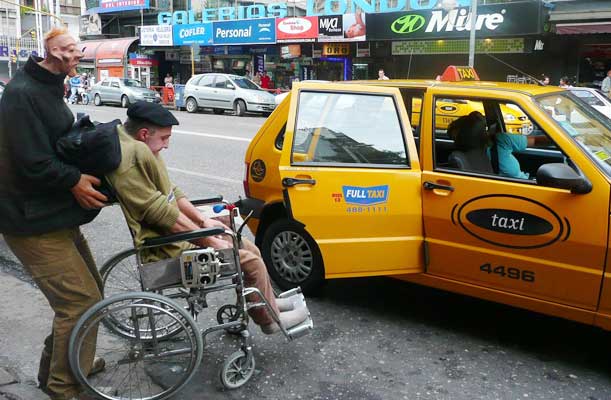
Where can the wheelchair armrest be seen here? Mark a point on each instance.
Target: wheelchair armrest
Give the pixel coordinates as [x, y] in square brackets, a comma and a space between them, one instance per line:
[182, 237]
[212, 200]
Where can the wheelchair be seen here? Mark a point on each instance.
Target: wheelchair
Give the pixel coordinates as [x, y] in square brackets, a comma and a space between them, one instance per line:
[146, 325]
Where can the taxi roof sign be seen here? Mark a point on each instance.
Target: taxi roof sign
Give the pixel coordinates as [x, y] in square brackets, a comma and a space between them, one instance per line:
[456, 73]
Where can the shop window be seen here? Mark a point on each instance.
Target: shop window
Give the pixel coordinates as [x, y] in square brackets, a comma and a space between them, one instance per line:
[346, 128]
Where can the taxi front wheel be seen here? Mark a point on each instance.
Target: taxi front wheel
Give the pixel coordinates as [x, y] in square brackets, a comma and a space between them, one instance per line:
[292, 257]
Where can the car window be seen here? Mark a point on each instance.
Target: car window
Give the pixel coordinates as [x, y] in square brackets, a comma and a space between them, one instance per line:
[194, 80]
[245, 83]
[206, 80]
[105, 83]
[131, 83]
[490, 137]
[348, 128]
[114, 84]
[588, 128]
[221, 82]
[588, 97]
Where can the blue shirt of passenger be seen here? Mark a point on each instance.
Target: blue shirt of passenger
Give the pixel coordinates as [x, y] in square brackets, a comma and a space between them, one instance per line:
[507, 144]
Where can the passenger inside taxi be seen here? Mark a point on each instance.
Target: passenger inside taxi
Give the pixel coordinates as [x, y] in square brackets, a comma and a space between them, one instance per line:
[471, 143]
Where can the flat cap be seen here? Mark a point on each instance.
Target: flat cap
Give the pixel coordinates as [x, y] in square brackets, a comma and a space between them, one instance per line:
[151, 112]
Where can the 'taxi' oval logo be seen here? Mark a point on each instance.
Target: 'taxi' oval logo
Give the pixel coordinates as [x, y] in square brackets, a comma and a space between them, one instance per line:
[408, 23]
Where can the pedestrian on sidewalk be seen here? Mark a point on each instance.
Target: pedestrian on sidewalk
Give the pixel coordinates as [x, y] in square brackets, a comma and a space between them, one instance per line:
[43, 201]
[606, 85]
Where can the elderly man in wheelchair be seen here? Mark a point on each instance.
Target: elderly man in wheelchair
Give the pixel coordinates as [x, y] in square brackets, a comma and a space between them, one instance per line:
[182, 256]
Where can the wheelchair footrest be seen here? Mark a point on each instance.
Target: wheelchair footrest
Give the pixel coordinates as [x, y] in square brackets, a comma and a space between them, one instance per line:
[304, 327]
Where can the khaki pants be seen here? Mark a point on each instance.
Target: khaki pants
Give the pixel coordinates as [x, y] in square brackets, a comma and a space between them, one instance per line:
[255, 275]
[62, 266]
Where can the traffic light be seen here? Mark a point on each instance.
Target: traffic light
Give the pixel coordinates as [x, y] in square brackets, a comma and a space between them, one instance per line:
[13, 58]
[33, 35]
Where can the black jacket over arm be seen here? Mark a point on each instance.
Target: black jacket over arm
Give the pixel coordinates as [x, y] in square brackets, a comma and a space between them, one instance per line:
[35, 184]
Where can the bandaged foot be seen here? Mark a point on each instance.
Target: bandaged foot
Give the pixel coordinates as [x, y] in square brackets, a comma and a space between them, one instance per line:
[288, 319]
[285, 304]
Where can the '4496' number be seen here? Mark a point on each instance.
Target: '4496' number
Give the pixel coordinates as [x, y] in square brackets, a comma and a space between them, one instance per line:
[508, 272]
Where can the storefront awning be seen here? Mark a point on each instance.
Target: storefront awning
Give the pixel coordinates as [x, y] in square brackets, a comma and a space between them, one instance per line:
[112, 52]
[583, 10]
[583, 28]
[89, 48]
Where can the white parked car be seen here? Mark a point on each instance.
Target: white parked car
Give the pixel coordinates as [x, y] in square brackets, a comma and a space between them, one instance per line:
[595, 98]
[222, 92]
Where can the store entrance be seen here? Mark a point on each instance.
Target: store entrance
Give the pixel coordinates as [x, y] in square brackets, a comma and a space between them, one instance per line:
[331, 69]
[595, 61]
[143, 74]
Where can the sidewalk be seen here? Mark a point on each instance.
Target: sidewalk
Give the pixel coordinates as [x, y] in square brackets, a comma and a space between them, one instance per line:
[26, 320]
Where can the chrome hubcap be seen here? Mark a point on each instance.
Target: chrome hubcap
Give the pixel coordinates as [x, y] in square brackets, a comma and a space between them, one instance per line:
[292, 257]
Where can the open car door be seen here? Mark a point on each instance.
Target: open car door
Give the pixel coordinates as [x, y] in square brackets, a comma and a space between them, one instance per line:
[351, 177]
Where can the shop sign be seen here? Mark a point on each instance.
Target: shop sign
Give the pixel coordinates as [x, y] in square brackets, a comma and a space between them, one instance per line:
[254, 31]
[156, 35]
[362, 50]
[342, 28]
[492, 20]
[5, 52]
[296, 29]
[90, 24]
[371, 6]
[316, 53]
[142, 62]
[110, 61]
[336, 49]
[290, 51]
[193, 33]
[223, 14]
[279, 9]
[108, 6]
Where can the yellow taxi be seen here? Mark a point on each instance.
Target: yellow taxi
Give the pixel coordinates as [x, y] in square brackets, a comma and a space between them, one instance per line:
[341, 183]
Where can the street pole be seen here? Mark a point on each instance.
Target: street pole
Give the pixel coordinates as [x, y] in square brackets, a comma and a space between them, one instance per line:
[472, 21]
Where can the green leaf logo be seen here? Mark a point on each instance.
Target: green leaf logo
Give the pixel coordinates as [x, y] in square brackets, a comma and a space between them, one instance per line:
[407, 24]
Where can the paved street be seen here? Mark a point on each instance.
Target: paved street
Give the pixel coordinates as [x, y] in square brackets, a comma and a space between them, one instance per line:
[374, 338]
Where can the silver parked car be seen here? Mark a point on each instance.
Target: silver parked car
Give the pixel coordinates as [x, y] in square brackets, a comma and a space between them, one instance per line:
[222, 92]
[122, 91]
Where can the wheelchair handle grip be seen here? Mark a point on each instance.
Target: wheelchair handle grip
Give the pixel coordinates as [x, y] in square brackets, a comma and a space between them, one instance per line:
[220, 207]
[200, 202]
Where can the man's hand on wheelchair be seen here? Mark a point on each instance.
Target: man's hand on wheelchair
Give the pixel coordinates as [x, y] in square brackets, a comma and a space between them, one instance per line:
[216, 242]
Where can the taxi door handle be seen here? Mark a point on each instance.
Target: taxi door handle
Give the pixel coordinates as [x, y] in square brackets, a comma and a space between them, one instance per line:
[432, 186]
[288, 182]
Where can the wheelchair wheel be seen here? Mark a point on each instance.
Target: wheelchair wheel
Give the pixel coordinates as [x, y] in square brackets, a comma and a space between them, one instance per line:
[136, 368]
[120, 275]
[237, 370]
[229, 313]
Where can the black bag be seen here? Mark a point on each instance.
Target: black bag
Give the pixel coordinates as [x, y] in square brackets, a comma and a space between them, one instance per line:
[93, 148]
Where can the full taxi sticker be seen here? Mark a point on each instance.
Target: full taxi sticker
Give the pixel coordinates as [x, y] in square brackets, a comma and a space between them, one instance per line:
[371, 199]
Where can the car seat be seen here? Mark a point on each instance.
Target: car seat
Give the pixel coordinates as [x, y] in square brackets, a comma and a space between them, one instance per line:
[471, 143]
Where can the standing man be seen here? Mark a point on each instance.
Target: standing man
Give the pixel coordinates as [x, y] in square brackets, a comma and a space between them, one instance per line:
[606, 85]
[43, 201]
[381, 75]
[265, 80]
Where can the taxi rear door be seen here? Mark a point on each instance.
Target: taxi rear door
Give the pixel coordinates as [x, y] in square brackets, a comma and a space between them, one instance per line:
[351, 176]
[512, 234]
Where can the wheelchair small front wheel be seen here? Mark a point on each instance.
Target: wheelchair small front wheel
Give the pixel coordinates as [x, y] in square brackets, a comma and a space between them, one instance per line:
[237, 369]
[137, 367]
[229, 313]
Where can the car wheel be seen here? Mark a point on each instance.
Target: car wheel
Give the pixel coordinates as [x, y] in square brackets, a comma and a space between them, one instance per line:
[240, 108]
[218, 111]
[124, 101]
[292, 257]
[97, 100]
[192, 105]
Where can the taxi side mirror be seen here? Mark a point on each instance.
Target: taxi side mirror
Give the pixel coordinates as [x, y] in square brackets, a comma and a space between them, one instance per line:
[561, 176]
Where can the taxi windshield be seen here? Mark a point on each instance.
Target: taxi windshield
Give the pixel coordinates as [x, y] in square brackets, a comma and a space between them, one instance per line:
[590, 129]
